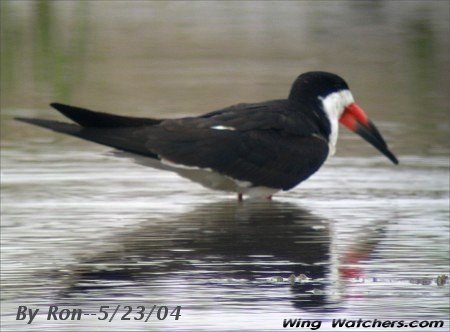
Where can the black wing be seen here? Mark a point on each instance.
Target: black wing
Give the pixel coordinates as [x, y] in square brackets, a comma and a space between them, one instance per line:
[88, 118]
[266, 144]
[262, 157]
[259, 143]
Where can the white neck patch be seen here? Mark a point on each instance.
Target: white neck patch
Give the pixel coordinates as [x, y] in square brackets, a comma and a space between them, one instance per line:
[334, 105]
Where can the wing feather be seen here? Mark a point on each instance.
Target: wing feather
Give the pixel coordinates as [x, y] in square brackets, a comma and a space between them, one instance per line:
[268, 144]
[268, 157]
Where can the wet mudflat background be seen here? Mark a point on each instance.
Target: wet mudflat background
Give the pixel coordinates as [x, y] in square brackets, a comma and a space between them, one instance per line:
[82, 229]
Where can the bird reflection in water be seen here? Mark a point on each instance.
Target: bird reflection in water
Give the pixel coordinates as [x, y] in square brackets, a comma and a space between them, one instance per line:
[260, 244]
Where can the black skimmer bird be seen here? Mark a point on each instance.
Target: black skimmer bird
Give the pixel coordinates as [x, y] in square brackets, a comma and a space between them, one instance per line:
[252, 149]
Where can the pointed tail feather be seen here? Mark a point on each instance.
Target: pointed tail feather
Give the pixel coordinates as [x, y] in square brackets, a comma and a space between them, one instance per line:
[118, 138]
[107, 129]
[60, 127]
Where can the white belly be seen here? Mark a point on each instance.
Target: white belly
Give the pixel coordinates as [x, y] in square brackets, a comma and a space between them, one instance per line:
[204, 176]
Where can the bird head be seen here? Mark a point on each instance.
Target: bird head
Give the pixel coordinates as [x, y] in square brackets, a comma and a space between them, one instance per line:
[329, 98]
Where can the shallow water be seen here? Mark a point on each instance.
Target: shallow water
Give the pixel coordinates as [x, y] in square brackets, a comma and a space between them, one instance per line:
[81, 228]
[369, 237]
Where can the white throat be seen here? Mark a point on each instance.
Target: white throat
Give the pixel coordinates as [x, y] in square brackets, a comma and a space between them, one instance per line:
[334, 105]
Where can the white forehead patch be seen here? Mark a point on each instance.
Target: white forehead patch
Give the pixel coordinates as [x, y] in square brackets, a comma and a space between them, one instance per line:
[334, 105]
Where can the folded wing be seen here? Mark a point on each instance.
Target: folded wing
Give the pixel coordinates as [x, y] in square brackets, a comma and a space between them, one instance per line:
[248, 142]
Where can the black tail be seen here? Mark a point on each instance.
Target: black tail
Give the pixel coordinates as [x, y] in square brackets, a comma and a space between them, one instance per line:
[120, 132]
[60, 127]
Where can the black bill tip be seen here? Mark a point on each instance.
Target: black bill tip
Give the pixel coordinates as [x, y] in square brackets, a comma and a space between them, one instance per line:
[371, 134]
